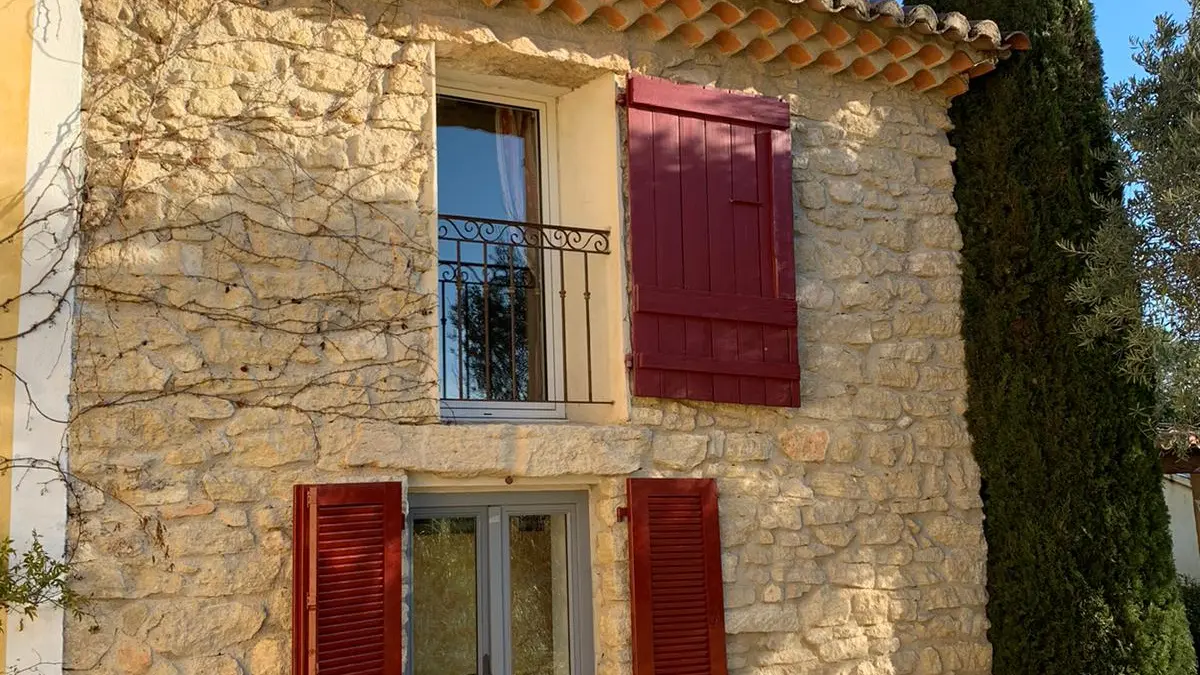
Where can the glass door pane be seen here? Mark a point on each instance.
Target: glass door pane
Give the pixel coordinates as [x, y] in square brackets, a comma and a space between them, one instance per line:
[445, 596]
[539, 594]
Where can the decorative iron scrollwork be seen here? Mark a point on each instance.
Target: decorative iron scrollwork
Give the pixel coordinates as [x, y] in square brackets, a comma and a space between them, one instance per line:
[515, 301]
[526, 235]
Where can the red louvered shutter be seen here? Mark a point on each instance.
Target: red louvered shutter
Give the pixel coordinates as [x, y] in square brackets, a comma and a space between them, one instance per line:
[714, 283]
[346, 591]
[675, 577]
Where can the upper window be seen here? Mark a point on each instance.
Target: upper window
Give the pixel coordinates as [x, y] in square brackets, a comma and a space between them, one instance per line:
[493, 286]
[530, 302]
[515, 288]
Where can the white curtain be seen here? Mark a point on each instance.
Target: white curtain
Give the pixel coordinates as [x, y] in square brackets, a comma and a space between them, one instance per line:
[510, 146]
[520, 188]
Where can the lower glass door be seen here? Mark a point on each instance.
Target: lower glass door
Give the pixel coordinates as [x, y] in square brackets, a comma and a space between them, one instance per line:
[446, 597]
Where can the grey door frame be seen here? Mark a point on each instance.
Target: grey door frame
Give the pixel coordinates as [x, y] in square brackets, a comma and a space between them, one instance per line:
[491, 510]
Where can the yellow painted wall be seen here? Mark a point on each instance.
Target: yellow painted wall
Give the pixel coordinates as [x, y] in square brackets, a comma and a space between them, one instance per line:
[15, 55]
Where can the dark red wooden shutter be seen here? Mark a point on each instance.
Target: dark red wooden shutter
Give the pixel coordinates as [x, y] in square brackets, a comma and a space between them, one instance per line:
[675, 577]
[714, 283]
[346, 593]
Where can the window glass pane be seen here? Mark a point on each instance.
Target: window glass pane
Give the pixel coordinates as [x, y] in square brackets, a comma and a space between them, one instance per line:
[491, 283]
[539, 594]
[445, 632]
[488, 160]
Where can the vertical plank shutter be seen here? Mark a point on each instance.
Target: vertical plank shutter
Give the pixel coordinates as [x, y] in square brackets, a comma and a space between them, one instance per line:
[346, 592]
[714, 284]
[678, 604]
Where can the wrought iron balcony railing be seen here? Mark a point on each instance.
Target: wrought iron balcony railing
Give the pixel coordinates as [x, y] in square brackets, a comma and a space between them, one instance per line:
[516, 310]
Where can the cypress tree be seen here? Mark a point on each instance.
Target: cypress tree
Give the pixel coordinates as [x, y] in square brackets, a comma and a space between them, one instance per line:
[1080, 574]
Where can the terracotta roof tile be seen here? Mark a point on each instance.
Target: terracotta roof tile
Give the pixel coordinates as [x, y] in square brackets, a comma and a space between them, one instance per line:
[878, 40]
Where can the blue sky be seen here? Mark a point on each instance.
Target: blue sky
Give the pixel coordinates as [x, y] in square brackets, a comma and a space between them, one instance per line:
[1119, 20]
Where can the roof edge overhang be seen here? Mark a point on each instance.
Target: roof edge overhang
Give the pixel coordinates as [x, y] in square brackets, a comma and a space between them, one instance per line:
[873, 40]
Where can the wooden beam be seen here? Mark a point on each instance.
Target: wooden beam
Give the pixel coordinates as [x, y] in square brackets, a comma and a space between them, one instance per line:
[1188, 465]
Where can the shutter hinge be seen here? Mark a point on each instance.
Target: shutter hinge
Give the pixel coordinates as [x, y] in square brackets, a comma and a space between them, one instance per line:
[621, 98]
[628, 361]
[622, 514]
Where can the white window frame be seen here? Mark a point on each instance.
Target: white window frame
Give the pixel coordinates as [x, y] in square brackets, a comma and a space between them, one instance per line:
[491, 511]
[543, 99]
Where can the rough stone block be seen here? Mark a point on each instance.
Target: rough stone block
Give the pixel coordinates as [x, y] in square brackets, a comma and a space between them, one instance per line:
[885, 528]
[830, 511]
[762, 619]
[185, 627]
[679, 451]
[753, 447]
[205, 535]
[268, 657]
[804, 443]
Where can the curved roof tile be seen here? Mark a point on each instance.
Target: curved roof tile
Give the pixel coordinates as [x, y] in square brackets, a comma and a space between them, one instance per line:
[878, 40]
[983, 35]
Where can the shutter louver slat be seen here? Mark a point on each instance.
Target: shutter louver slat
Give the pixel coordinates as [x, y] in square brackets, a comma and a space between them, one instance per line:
[346, 567]
[675, 577]
[713, 298]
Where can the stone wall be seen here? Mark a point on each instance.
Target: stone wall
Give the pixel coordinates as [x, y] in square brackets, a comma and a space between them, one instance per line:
[257, 311]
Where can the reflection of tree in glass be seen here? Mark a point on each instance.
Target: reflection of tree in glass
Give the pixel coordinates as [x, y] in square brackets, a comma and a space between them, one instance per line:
[532, 598]
[499, 325]
[444, 627]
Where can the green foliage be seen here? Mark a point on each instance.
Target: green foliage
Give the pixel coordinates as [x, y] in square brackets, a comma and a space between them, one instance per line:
[32, 580]
[1142, 287]
[1189, 589]
[1080, 575]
